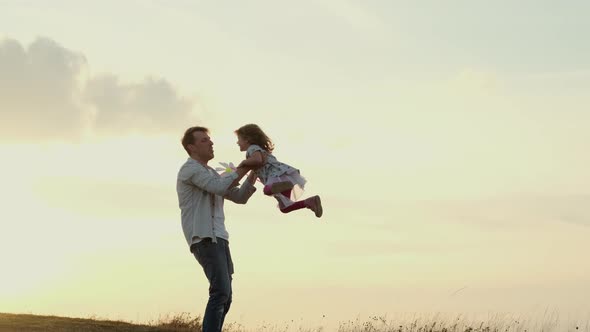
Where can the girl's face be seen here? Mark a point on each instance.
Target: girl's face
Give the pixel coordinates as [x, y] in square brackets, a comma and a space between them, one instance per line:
[242, 143]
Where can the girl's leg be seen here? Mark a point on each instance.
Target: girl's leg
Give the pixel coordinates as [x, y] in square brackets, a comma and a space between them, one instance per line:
[277, 187]
[313, 203]
[287, 193]
[295, 206]
[287, 208]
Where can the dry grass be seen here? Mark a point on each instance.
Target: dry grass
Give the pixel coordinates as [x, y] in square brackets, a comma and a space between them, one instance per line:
[440, 323]
[184, 322]
[35, 323]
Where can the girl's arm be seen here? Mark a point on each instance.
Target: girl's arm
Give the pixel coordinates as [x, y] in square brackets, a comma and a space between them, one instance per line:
[254, 161]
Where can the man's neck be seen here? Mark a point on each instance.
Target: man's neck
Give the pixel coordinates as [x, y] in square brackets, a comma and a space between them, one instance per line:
[204, 163]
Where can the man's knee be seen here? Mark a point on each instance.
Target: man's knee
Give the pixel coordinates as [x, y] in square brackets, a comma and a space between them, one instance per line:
[221, 295]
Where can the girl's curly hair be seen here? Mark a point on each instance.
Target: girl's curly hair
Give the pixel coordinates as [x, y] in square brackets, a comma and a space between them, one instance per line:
[254, 135]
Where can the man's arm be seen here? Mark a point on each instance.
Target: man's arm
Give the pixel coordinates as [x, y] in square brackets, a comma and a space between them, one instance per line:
[244, 192]
[200, 176]
[241, 171]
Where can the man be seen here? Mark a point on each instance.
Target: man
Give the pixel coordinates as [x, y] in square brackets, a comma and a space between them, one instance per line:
[201, 193]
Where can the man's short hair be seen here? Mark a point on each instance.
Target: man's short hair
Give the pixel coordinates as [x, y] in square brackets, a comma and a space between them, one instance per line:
[188, 137]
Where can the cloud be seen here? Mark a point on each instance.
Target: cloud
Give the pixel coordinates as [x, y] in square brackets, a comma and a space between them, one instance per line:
[39, 87]
[571, 209]
[47, 93]
[152, 105]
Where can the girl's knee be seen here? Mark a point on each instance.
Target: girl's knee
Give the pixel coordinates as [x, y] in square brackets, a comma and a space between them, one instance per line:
[267, 190]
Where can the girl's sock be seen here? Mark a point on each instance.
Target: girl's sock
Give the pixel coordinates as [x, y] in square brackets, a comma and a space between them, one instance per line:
[295, 206]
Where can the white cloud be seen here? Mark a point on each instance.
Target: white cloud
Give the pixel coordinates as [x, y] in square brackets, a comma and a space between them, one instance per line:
[152, 105]
[39, 90]
[46, 92]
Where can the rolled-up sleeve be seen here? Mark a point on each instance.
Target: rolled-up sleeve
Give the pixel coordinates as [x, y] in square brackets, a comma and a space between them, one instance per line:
[242, 194]
[200, 177]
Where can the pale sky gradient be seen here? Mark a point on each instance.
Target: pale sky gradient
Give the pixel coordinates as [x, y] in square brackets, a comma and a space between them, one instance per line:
[448, 140]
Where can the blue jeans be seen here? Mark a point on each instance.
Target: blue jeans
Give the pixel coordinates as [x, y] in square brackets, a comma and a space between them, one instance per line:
[215, 259]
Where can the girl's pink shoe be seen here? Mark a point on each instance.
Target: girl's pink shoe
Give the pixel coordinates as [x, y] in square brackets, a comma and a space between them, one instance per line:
[315, 204]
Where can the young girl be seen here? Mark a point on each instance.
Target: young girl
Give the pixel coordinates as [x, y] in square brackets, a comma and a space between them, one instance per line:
[280, 180]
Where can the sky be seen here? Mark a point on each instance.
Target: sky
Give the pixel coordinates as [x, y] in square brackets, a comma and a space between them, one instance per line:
[447, 139]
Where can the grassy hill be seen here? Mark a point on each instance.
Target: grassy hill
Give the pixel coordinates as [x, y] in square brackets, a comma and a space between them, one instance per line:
[35, 323]
[184, 323]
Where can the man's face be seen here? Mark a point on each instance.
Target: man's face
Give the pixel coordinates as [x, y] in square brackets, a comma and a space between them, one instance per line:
[202, 148]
